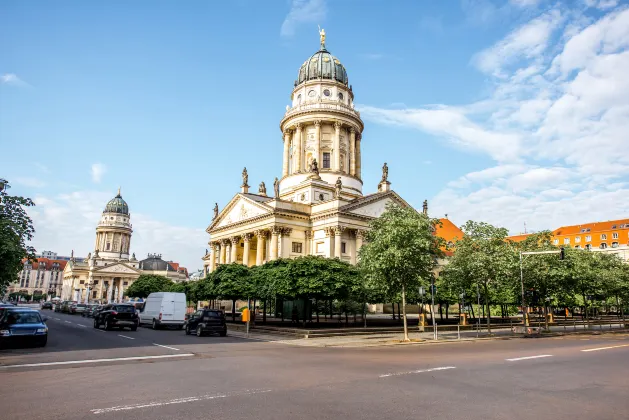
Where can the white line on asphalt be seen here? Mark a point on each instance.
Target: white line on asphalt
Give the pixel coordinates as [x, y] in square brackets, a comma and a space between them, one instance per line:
[67, 322]
[119, 359]
[607, 348]
[81, 325]
[166, 347]
[56, 319]
[386, 375]
[124, 336]
[176, 401]
[529, 357]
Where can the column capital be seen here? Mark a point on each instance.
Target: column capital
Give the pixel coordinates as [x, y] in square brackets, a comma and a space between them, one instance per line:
[339, 229]
[286, 230]
[317, 123]
[246, 236]
[225, 242]
[261, 233]
[360, 233]
[329, 231]
[287, 131]
[234, 240]
[338, 125]
[298, 127]
[276, 230]
[309, 234]
[352, 130]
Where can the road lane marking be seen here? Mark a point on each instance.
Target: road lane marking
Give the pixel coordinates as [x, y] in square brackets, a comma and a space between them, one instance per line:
[529, 357]
[607, 348]
[81, 362]
[56, 319]
[124, 336]
[386, 375]
[177, 401]
[67, 322]
[81, 325]
[166, 347]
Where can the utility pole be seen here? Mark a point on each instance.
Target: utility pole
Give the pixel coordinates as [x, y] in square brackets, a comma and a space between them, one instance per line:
[432, 307]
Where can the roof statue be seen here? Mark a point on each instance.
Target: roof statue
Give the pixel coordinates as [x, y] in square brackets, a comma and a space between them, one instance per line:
[119, 192]
[276, 187]
[338, 186]
[322, 37]
[385, 172]
[215, 210]
[262, 189]
[245, 178]
[425, 207]
[314, 167]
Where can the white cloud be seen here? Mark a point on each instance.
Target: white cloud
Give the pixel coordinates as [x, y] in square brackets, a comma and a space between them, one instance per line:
[68, 222]
[12, 80]
[301, 12]
[97, 171]
[601, 4]
[525, 3]
[555, 121]
[31, 182]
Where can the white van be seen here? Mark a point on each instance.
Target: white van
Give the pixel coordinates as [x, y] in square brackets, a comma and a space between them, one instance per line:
[164, 308]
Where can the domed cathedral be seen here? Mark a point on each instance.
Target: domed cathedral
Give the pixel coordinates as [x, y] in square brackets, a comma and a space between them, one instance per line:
[316, 206]
[107, 272]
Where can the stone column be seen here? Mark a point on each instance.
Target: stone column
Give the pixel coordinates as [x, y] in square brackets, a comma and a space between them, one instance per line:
[223, 256]
[120, 292]
[337, 146]
[338, 230]
[275, 232]
[308, 250]
[298, 142]
[358, 157]
[234, 249]
[245, 254]
[352, 151]
[100, 289]
[360, 236]
[285, 248]
[329, 234]
[317, 144]
[110, 291]
[261, 235]
[212, 257]
[286, 152]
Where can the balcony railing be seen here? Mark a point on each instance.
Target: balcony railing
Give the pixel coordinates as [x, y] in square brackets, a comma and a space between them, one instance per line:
[322, 104]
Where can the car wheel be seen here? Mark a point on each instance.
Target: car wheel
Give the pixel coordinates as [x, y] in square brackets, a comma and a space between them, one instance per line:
[42, 342]
[180, 327]
[107, 326]
[223, 333]
[155, 326]
[188, 332]
[134, 328]
[199, 331]
[96, 323]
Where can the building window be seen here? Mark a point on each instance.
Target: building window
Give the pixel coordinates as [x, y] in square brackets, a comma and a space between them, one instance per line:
[566, 241]
[588, 238]
[297, 247]
[613, 226]
[326, 92]
[125, 283]
[326, 160]
[577, 239]
[94, 294]
[614, 244]
[95, 282]
[343, 248]
[82, 282]
[615, 235]
[603, 245]
[603, 236]
[556, 241]
[108, 247]
[321, 197]
[588, 246]
[577, 246]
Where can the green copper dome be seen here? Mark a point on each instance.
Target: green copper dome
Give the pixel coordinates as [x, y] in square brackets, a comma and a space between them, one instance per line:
[117, 205]
[322, 66]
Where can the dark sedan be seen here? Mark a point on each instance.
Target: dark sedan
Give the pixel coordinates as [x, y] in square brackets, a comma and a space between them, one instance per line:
[206, 321]
[117, 315]
[23, 325]
[46, 305]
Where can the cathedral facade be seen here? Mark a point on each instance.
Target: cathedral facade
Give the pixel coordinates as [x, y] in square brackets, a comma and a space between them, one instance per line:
[317, 206]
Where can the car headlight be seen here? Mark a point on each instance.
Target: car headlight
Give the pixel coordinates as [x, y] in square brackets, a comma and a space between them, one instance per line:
[5, 332]
[42, 330]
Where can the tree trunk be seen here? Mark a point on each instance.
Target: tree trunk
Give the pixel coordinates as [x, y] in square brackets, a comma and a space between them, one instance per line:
[398, 311]
[264, 313]
[483, 306]
[234, 310]
[448, 310]
[317, 309]
[440, 312]
[472, 306]
[393, 308]
[488, 310]
[545, 314]
[365, 314]
[404, 313]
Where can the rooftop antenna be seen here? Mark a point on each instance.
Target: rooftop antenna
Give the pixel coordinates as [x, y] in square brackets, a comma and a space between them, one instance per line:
[525, 228]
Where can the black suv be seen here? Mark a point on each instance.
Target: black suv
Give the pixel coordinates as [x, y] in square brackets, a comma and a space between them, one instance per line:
[206, 321]
[117, 315]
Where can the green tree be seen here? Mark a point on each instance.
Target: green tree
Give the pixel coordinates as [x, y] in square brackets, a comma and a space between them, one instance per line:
[147, 284]
[483, 257]
[16, 228]
[400, 250]
[232, 282]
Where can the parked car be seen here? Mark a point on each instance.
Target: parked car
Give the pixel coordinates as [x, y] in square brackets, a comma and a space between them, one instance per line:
[78, 308]
[26, 325]
[164, 309]
[66, 306]
[206, 321]
[89, 309]
[46, 305]
[4, 306]
[118, 315]
[58, 306]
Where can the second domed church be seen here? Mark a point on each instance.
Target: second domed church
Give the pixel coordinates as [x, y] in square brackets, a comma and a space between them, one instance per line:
[317, 205]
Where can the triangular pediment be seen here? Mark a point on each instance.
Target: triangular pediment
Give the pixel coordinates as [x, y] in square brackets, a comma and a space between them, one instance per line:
[240, 208]
[117, 268]
[373, 205]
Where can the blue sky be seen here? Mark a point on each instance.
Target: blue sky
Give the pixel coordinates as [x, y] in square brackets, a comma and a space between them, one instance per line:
[507, 111]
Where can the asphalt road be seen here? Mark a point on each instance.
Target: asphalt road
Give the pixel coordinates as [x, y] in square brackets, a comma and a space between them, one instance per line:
[233, 378]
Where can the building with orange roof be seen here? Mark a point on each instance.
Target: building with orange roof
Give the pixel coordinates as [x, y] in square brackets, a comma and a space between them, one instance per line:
[39, 277]
[450, 233]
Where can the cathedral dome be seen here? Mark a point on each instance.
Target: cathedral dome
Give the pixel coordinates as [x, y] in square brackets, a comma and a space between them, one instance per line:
[322, 65]
[117, 205]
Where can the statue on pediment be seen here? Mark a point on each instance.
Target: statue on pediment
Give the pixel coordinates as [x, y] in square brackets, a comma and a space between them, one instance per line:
[385, 172]
[276, 187]
[338, 186]
[215, 210]
[245, 178]
[262, 189]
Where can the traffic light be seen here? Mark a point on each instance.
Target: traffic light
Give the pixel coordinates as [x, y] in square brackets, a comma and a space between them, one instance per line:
[562, 253]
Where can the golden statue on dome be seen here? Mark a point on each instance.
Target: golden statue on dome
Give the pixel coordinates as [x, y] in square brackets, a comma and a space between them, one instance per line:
[322, 37]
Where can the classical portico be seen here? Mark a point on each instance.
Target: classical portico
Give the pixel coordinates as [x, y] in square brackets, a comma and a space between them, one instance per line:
[318, 207]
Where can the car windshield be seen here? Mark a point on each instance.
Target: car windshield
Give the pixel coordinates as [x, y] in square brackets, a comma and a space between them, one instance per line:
[213, 314]
[13, 318]
[124, 309]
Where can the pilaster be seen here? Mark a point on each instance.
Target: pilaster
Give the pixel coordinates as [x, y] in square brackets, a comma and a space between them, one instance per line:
[245, 254]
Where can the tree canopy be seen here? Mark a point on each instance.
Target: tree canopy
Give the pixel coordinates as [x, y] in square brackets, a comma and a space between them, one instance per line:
[149, 283]
[16, 228]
